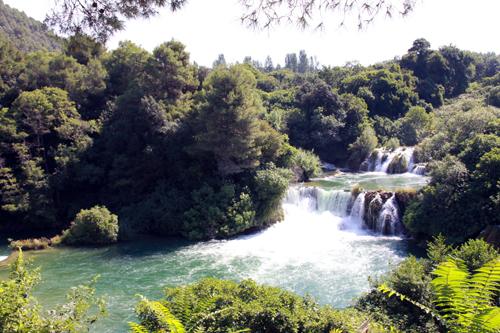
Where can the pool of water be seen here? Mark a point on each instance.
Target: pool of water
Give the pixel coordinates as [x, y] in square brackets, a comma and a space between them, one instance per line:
[370, 181]
[321, 253]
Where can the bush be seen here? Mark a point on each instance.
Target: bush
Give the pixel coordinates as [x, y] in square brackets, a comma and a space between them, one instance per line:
[414, 125]
[411, 278]
[92, 226]
[218, 212]
[475, 253]
[305, 163]
[392, 144]
[399, 164]
[247, 305]
[35, 243]
[20, 312]
[270, 186]
[362, 147]
[494, 97]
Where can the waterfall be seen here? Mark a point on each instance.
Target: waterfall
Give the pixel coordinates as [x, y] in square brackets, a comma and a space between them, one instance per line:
[374, 210]
[335, 201]
[419, 169]
[358, 207]
[399, 160]
[388, 218]
[317, 199]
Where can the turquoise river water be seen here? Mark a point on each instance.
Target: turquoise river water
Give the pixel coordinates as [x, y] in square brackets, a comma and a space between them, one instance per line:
[321, 252]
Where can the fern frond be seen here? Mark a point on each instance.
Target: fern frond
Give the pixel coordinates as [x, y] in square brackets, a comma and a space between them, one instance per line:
[156, 316]
[198, 330]
[384, 288]
[182, 308]
[484, 284]
[137, 328]
[487, 321]
[451, 286]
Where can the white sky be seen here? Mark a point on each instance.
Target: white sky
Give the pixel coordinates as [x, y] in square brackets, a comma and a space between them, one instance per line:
[209, 28]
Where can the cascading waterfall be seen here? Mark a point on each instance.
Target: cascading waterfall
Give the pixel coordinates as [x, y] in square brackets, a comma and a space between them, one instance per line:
[381, 214]
[317, 199]
[388, 218]
[398, 160]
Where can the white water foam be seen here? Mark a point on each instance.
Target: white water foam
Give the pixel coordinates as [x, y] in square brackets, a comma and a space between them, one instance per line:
[312, 248]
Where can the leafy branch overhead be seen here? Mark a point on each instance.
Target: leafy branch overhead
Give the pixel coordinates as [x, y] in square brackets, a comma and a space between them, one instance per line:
[101, 18]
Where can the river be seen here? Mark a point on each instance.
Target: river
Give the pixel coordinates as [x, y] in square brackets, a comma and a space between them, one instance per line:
[319, 249]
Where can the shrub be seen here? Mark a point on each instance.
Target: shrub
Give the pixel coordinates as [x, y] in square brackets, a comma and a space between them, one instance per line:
[411, 278]
[34, 243]
[30, 244]
[398, 164]
[92, 226]
[494, 97]
[307, 162]
[392, 144]
[362, 147]
[270, 186]
[475, 253]
[356, 190]
[414, 125]
[247, 305]
[20, 312]
[462, 302]
[218, 212]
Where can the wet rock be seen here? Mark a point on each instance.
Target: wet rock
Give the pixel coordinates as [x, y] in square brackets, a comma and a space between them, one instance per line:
[398, 164]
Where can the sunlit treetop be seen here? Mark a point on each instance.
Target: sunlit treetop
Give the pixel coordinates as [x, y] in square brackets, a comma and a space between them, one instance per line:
[101, 18]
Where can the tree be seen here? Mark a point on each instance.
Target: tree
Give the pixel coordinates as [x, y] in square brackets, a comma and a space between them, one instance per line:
[414, 125]
[291, 62]
[26, 33]
[229, 120]
[221, 61]
[363, 146]
[268, 64]
[303, 65]
[125, 66]
[83, 48]
[169, 73]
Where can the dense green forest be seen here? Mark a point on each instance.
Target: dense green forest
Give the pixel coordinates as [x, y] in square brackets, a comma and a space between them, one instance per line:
[99, 146]
[27, 34]
[162, 142]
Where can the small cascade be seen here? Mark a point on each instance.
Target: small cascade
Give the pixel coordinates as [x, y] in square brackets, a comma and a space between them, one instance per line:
[388, 218]
[399, 160]
[419, 169]
[381, 213]
[317, 199]
[335, 201]
[303, 197]
[358, 207]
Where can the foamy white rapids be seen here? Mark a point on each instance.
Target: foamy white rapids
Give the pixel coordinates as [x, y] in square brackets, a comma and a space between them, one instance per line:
[317, 249]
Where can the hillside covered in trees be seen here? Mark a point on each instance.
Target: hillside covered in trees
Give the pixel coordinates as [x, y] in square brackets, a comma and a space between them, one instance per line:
[25, 33]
